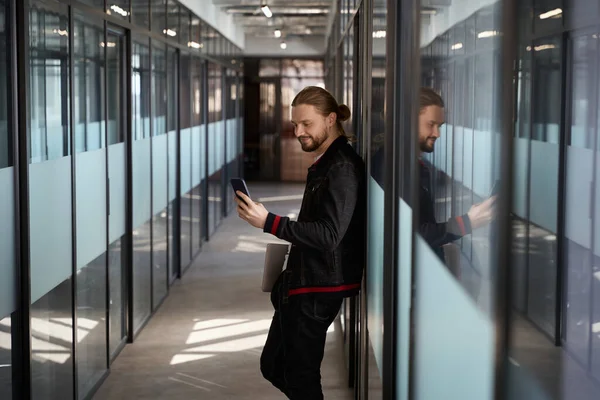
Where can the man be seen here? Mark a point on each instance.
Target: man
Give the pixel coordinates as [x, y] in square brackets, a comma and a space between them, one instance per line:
[431, 118]
[327, 253]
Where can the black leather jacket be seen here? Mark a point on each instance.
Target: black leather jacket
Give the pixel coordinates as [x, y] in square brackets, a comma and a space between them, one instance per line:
[328, 239]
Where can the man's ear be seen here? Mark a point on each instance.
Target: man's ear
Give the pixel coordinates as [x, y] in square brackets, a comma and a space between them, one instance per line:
[331, 119]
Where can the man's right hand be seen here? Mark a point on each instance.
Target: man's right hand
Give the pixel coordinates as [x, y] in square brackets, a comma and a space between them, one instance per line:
[483, 213]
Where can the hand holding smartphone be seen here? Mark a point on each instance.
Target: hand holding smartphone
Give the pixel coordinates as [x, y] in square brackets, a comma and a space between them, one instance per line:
[238, 184]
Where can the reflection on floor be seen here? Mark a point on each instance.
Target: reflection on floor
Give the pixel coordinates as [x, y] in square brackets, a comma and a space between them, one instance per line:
[537, 362]
[206, 339]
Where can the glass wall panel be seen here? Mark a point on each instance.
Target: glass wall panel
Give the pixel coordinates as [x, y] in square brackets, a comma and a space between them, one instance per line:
[543, 205]
[117, 98]
[52, 344]
[185, 154]
[212, 155]
[142, 239]
[172, 126]
[160, 177]
[49, 85]
[140, 13]
[184, 26]
[91, 325]
[6, 384]
[50, 202]
[96, 3]
[91, 206]
[198, 146]
[8, 267]
[159, 16]
[459, 134]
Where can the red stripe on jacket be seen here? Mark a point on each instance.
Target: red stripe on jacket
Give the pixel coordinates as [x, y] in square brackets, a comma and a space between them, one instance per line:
[275, 225]
[330, 289]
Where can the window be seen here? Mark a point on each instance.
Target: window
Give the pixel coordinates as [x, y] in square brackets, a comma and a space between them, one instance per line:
[159, 94]
[141, 91]
[49, 84]
[89, 84]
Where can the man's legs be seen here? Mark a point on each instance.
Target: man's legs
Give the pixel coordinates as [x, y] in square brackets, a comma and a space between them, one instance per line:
[305, 344]
[271, 359]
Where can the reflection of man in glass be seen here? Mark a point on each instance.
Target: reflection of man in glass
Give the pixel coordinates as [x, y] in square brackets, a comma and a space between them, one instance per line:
[431, 118]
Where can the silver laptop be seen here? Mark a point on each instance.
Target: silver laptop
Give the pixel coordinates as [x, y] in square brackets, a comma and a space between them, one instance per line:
[275, 258]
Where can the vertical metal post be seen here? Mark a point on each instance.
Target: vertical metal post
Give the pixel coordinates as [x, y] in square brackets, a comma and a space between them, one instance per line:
[501, 253]
[107, 183]
[128, 245]
[73, 151]
[151, 138]
[19, 115]
[362, 390]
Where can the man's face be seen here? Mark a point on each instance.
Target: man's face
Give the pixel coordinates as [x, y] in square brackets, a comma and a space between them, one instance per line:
[310, 127]
[431, 119]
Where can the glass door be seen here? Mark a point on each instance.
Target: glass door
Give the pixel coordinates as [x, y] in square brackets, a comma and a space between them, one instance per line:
[116, 91]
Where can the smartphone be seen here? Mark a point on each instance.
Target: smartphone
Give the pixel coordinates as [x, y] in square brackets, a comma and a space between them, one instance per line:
[239, 184]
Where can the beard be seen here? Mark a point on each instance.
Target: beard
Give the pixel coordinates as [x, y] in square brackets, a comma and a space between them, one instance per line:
[310, 144]
[426, 145]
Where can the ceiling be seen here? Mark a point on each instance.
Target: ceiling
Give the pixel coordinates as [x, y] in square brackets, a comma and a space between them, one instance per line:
[305, 19]
[295, 18]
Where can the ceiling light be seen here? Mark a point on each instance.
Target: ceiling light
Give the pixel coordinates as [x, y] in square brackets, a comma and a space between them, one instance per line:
[308, 31]
[552, 13]
[283, 45]
[195, 45]
[119, 10]
[277, 33]
[109, 44]
[379, 34]
[267, 11]
[457, 46]
[487, 34]
[544, 47]
[170, 32]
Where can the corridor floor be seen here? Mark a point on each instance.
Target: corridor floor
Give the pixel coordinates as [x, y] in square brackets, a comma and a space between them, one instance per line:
[206, 339]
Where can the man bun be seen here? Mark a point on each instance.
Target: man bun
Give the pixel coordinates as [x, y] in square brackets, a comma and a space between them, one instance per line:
[343, 112]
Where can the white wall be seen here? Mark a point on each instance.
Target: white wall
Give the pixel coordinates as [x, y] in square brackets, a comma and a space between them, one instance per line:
[219, 20]
[309, 46]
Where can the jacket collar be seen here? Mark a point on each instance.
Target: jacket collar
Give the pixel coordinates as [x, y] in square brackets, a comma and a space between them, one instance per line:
[332, 149]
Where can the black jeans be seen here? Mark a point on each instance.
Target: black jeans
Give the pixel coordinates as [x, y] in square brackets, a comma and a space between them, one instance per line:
[291, 358]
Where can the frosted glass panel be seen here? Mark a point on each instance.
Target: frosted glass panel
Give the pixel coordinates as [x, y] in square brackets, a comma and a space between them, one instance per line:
[454, 351]
[50, 224]
[482, 163]
[159, 173]
[212, 152]
[520, 154]
[203, 152]
[90, 205]
[7, 242]
[405, 235]
[544, 184]
[375, 270]
[186, 162]
[578, 224]
[118, 194]
[141, 182]
[172, 165]
[197, 157]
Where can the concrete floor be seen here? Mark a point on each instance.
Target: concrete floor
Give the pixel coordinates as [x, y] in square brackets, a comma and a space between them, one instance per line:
[206, 339]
